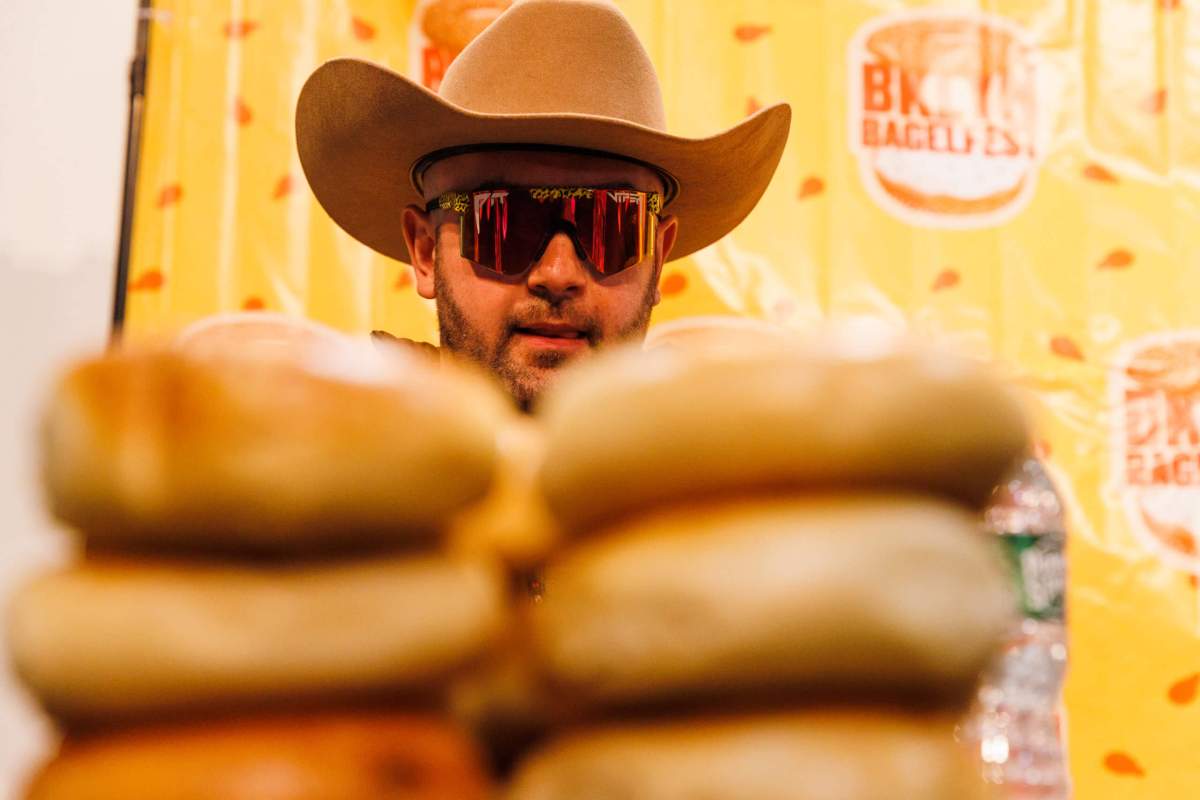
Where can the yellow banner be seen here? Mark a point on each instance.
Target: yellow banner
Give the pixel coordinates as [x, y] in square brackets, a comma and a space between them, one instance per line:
[1018, 175]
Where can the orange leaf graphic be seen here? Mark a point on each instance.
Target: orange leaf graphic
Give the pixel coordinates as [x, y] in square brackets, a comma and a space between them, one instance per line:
[253, 304]
[363, 30]
[1155, 103]
[169, 195]
[1117, 259]
[242, 112]
[283, 187]
[237, 29]
[748, 33]
[1194, 580]
[403, 280]
[946, 279]
[1095, 172]
[1183, 691]
[673, 284]
[752, 106]
[812, 185]
[1169, 5]
[149, 280]
[1065, 346]
[1123, 764]
[1176, 537]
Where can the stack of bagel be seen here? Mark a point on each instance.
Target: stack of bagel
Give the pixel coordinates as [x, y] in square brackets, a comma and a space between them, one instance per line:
[771, 581]
[265, 605]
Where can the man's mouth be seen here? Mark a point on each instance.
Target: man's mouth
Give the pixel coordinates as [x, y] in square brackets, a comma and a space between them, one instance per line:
[553, 336]
[551, 331]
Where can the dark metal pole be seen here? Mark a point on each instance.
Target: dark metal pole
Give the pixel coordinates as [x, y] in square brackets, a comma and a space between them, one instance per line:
[133, 146]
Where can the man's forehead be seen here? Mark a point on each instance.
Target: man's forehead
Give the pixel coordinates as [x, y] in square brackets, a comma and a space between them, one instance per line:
[533, 168]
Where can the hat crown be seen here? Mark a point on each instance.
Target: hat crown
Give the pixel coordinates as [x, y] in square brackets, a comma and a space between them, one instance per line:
[558, 57]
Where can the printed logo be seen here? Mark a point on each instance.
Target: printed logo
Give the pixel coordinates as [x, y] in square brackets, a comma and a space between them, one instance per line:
[943, 116]
[439, 31]
[1154, 394]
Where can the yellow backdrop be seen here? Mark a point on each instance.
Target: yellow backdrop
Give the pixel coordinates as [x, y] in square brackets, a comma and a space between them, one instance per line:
[1020, 175]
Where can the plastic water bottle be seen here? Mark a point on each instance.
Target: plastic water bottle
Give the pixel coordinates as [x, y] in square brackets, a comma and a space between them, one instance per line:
[1016, 722]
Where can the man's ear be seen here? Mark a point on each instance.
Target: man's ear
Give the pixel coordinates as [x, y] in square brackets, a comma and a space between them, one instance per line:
[420, 234]
[668, 228]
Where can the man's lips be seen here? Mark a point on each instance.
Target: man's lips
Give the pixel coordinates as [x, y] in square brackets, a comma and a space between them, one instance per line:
[552, 331]
[553, 336]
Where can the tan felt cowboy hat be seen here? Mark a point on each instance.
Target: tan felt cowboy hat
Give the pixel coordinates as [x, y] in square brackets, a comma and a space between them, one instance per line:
[547, 73]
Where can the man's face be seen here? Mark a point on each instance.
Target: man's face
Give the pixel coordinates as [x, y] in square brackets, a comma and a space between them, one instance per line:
[525, 328]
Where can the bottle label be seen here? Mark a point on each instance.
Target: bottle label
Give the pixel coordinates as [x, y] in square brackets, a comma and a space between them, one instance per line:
[1039, 571]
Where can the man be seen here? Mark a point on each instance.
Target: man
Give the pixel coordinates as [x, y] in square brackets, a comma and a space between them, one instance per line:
[537, 196]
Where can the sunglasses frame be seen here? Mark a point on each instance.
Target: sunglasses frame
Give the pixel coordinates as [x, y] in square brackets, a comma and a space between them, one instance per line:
[460, 203]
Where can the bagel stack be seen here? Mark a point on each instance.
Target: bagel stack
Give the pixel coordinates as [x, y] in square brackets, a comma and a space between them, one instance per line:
[266, 606]
[772, 582]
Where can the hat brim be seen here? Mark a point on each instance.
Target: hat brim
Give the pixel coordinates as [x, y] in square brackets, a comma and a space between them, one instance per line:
[361, 129]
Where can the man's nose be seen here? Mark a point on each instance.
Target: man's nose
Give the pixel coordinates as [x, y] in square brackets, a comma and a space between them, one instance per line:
[560, 274]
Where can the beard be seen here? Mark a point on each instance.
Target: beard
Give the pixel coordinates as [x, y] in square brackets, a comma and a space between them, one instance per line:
[525, 381]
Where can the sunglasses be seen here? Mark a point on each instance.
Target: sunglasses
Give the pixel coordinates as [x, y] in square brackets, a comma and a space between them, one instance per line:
[506, 230]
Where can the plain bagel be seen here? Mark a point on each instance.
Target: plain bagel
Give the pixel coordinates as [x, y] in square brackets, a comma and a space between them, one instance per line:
[890, 594]
[348, 756]
[128, 639]
[164, 448]
[852, 408]
[809, 755]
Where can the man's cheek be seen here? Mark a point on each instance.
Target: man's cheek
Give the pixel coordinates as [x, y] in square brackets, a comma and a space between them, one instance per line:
[484, 307]
[627, 308]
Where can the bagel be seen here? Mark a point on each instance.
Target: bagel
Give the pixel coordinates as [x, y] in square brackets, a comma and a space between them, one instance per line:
[129, 639]
[264, 335]
[717, 335]
[174, 449]
[811, 755]
[349, 756]
[893, 595]
[852, 408]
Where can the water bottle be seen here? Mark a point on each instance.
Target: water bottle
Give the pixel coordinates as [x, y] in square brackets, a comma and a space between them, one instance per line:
[1016, 721]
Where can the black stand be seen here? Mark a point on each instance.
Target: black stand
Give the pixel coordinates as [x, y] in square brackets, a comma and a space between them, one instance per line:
[133, 146]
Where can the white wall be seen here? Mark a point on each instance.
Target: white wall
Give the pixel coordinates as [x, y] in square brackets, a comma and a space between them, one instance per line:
[63, 101]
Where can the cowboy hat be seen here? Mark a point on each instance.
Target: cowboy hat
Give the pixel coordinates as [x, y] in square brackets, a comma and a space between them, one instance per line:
[553, 74]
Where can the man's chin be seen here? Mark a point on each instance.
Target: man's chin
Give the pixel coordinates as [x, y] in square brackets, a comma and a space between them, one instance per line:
[552, 361]
[530, 374]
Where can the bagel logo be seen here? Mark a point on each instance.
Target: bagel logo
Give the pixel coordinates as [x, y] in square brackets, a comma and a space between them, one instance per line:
[1154, 392]
[439, 31]
[943, 116]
